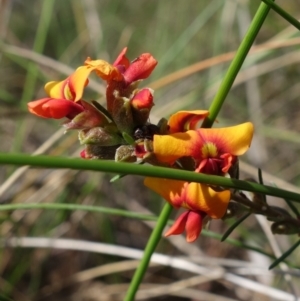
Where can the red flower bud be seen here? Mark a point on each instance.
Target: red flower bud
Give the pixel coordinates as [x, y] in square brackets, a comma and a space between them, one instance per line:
[143, 99]
[83, 154]
[140, 68]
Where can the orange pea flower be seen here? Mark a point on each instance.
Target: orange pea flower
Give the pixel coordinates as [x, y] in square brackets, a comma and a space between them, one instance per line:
[64, 97]
[214, 151]
[199, 199]
[122, 78]
[140, 68]
[122, 70]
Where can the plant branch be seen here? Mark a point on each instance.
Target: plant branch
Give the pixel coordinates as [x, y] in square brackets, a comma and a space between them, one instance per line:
[236, 64]
[283, 13]
[149, 250]
[72, 207]
[143, 170]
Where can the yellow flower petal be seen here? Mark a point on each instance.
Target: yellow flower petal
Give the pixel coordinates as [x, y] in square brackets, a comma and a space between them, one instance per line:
[203, 198]
[72, 87]
[104, 70]
[78, 80]
[55, 89]
[168, 148]
[186, 120]
[170, 190]
[234, 140]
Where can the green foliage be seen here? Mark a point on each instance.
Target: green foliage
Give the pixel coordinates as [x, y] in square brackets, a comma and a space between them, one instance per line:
[179, 34]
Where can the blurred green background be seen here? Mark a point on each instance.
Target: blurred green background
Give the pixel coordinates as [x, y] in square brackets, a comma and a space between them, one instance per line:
[193, 42]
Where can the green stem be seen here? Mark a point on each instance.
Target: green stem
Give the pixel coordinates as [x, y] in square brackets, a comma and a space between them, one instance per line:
[88, 208]
[283, 13]
[72, 207]
[149, 250]
[234, 225]
[284, 255]
[236, 64]
[144, 170]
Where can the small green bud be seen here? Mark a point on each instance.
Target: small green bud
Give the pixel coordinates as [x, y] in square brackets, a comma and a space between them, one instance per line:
[94, 151]
[286, 227]
[122, 114]
[107, 136]
[125, 153]
[163, 126]
[280, 214]
[234, 209]
[128, 138]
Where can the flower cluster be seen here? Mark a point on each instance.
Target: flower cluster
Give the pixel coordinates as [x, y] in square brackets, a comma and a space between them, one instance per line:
[122, 132]
[106, 133]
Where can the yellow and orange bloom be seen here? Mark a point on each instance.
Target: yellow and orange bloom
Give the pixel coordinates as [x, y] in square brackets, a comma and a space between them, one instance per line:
[103, 69]
[122, 70]
[199, 199]
[64, 97]
[138, 69]
[191, 196]
[213, 151]
[122, 78]
[71, 88]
